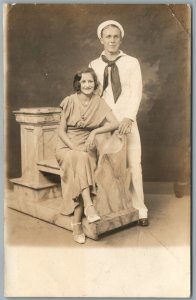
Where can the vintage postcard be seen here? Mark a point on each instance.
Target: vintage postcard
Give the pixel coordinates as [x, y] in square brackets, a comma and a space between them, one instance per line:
[97, 114]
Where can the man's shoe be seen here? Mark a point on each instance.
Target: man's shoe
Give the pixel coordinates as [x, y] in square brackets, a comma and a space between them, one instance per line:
[143, 222]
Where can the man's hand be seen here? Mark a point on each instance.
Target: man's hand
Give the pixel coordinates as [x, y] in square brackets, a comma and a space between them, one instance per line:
[125, 126]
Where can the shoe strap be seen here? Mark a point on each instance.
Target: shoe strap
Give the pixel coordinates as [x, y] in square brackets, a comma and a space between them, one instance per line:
[73, 224]
[85, 210]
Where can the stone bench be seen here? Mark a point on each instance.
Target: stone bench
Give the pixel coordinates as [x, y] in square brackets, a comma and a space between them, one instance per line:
[38, 191]
[49, 166]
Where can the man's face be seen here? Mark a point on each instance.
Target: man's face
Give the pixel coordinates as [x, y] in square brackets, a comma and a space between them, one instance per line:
[111, 39]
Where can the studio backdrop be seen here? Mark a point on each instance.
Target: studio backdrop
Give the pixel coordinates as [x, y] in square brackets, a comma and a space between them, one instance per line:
[48, 43]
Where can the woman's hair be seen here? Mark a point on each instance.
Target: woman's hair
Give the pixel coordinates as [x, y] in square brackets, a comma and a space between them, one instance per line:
[78, 76]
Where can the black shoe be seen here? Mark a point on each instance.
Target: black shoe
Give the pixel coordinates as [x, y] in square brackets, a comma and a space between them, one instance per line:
[143, 222]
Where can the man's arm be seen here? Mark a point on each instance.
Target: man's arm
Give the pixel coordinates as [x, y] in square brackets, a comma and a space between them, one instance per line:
[136, 91]
[134, 99]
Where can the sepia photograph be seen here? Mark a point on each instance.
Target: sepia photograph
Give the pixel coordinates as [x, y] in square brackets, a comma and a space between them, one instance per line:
[97, 142]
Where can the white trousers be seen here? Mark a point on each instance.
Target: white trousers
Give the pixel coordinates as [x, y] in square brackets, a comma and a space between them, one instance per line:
[134, 162]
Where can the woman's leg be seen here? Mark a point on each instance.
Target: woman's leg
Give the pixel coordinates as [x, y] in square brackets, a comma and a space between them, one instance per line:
[77, 219]
[78, 233]
[88, 204]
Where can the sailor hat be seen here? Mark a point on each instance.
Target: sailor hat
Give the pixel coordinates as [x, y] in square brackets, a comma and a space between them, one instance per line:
[109, 22]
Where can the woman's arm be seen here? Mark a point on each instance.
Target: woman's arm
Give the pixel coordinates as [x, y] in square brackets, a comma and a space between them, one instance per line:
[110, 124]
[63, 132]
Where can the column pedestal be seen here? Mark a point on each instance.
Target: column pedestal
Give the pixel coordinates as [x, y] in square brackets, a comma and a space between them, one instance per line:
[38, 129]
[38, 191]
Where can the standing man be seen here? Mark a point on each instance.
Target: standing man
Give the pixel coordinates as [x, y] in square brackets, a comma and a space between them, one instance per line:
[121, 86]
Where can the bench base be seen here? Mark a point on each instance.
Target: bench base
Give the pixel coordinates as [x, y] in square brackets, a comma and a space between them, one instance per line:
[36, 193]
[49, 211]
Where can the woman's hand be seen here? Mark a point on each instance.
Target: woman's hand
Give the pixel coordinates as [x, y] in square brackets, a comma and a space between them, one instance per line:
[90, 142]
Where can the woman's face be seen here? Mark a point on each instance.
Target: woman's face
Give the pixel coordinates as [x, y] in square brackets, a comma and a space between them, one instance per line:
[87, 84]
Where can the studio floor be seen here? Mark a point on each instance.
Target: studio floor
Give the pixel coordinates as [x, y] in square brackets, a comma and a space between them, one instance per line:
[43, 260]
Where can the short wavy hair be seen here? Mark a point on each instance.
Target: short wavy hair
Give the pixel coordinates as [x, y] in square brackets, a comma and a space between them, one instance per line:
[78, 76]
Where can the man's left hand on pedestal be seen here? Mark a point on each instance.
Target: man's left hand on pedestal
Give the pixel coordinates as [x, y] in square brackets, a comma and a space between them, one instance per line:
[125, 126]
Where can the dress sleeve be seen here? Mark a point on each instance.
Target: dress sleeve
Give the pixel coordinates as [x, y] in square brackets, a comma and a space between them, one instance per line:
[65, 105]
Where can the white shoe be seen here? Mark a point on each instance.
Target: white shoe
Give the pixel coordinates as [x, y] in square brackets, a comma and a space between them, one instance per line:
[79, 238]
[91, 218]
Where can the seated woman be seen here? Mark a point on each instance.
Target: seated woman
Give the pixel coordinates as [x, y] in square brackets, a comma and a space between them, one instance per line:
[84, 115]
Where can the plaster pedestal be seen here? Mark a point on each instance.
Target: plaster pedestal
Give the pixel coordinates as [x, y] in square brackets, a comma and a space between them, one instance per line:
[38, 191]
[50, 211]
[38, 129]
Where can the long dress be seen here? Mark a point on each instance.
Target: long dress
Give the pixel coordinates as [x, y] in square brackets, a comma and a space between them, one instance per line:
[78, 167]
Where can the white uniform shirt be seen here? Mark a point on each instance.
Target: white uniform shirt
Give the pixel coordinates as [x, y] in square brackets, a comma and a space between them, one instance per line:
[131, 82]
